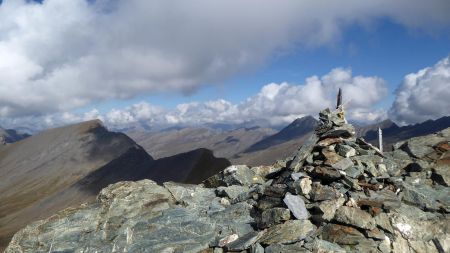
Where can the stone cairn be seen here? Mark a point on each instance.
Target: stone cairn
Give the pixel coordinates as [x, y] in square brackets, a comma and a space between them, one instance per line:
[337, 194]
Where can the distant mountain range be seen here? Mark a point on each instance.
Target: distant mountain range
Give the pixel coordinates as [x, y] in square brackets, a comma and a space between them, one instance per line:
[392, 133]
[263, 146]
[11, 135]
[66, 166]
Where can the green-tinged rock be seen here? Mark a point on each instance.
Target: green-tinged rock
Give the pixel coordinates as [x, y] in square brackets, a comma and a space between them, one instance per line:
[354, 171]
[304, 151]
[233, 192]
[322, 246]
[365, 245]
[274, 216]
[256, 248]
[289, 232]
[328, 208]
[426, 197]
[355, 217]
[244, 242]
[382, 221]
[342, 235]
[346, 151]
[323, 192]
[343, 164]
[281, 248]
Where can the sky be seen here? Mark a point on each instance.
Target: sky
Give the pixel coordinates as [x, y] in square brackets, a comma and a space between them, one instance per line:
[173, 62]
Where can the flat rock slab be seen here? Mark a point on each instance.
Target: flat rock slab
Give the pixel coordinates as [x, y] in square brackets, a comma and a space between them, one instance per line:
[244, 242]
[296, 205]
[341, 234]
[281, 248]
[289, 232]
[304, 151]
[323, 192]
[354, 216]
[343, 164]
[324, 246]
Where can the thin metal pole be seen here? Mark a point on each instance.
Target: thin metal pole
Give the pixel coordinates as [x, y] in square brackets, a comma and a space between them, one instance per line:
[380, 139]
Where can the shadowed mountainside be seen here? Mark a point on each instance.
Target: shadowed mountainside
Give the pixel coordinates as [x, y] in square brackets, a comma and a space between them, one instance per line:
[223, 143]
[297, 128]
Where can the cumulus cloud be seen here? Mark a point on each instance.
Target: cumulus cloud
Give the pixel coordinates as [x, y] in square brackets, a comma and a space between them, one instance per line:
[64, 54]
[274, 105]
[423, 95]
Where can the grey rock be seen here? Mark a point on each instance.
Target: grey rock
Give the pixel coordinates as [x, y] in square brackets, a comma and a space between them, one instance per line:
[365, 245]
[244, 242]
[343, 164]
[425, 196]
[375, 234]
[265, 171]
[346, 151]
[281, 248]
[240, 175]
[326, 173]
[233, 192]
[324, 246]
[344, 131]
[354, 171]
[256, 248]
[296, 205]
[274, 216]
[383, 199]
[218, 250]
[289, 232]
[323, 192]
[355, 217]
[343, 235]
[303, 186]
[331, 157]
[275, 190]
[382, 221]
[296, 176]
[304, 151]
[328, 208]
[442, 173]
[269, 202]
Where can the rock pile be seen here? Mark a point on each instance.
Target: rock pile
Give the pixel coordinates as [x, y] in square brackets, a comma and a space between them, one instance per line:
[337, 194]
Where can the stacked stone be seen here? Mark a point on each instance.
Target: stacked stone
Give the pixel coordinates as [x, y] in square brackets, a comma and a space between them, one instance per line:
[337, 194]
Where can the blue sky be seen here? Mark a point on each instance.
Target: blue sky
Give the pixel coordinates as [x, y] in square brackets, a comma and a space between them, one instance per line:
[162, 63]
[385, 49]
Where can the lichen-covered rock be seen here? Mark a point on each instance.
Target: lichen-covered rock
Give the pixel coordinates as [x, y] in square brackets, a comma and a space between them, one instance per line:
[289, 232]
[355, 217]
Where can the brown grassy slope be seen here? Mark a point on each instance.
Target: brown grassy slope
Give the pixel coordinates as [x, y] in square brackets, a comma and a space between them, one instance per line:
[38, 173]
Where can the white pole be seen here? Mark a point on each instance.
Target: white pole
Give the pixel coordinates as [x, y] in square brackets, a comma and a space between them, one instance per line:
[380, 140]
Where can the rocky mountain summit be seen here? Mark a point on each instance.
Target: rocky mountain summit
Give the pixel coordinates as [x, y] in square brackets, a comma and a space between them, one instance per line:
[337, 194]
[8, 136]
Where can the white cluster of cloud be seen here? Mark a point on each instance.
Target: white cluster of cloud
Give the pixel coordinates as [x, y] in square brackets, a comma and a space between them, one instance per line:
[274, 105]
[64, 54]
[423, 95]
